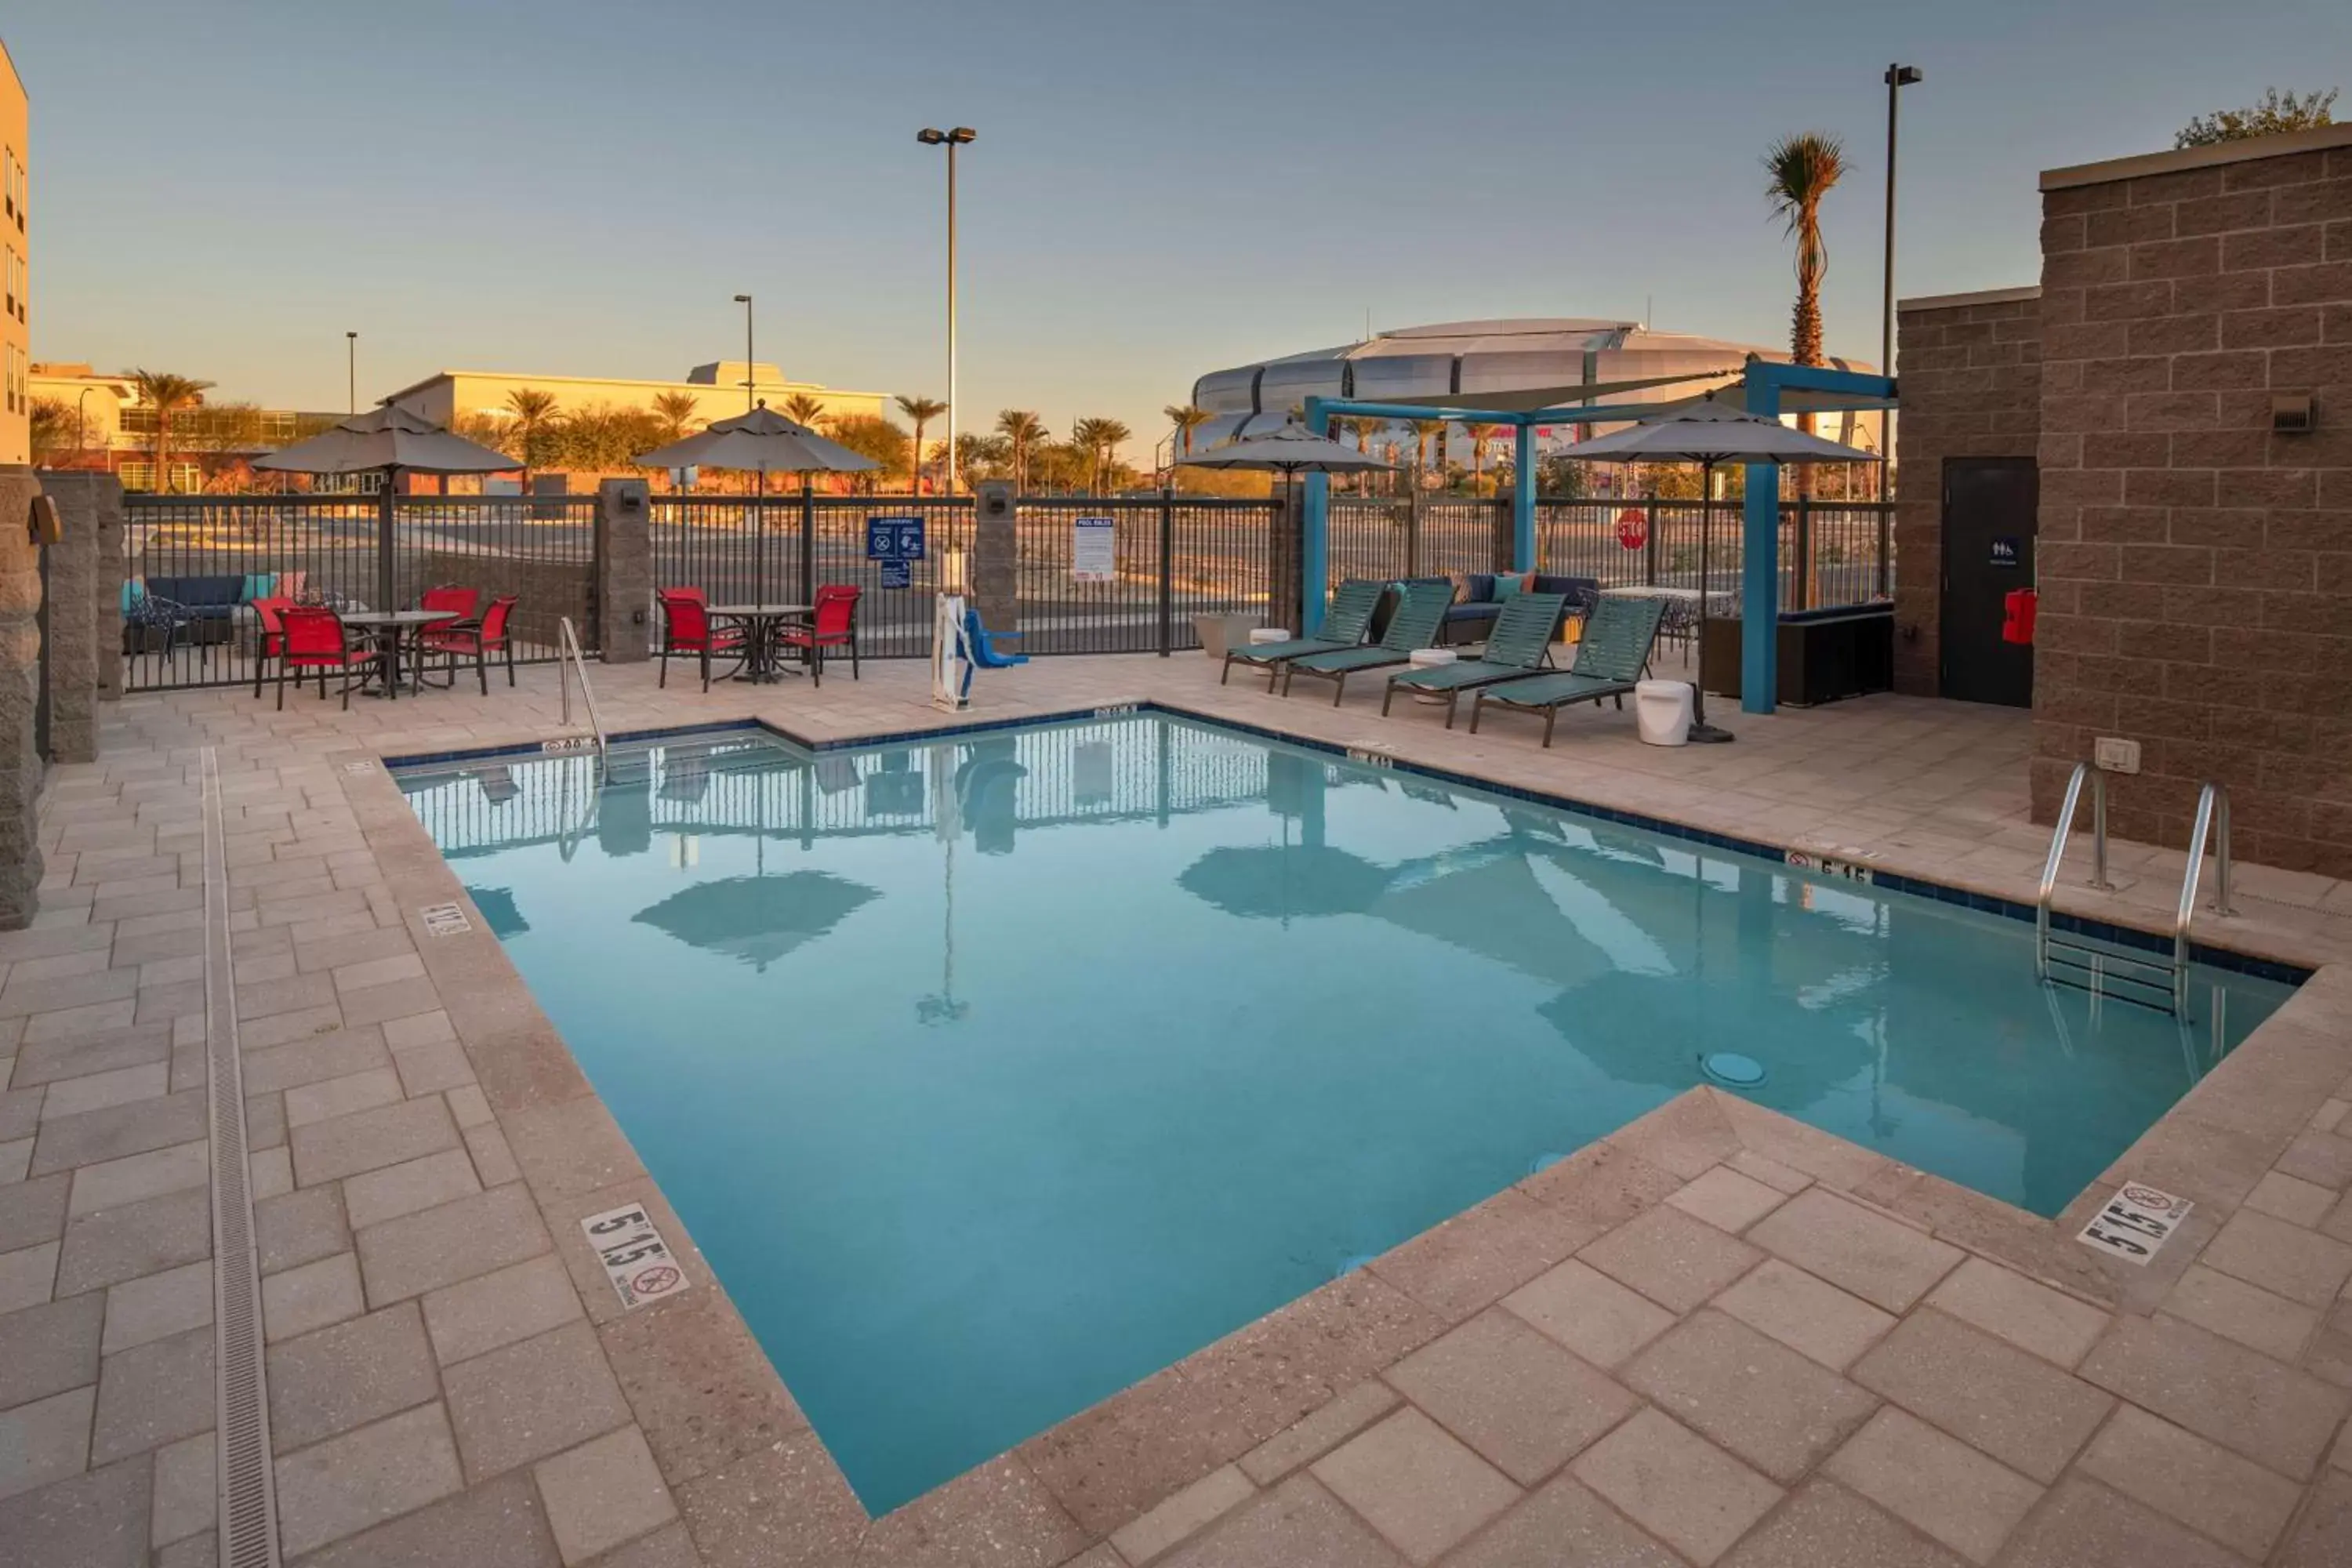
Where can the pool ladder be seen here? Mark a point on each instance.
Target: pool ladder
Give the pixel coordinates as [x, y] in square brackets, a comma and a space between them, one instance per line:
[2161, 983]
[571, 662]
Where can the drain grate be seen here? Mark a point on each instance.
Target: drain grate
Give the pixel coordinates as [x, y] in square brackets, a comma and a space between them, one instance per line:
[248, 1493]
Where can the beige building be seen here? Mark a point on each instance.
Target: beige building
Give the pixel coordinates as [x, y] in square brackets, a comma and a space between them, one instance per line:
[717, 391]
[16, 314]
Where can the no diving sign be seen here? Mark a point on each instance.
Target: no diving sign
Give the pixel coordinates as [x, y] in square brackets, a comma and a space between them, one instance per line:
[2136, 1222]
[636, 1258]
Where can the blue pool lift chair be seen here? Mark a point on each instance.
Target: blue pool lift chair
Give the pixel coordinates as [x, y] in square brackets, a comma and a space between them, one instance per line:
[980, 651]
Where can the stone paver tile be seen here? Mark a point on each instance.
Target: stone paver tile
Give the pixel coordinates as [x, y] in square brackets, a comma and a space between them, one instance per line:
[2320, 1158]
[493, 1161]
[37, 1065]
[301, 1227]
[532, 1399]
[1589, 1312]
[270, 1172]
[497, 1308]
[45, 1441]
[1601, 1183]
[1562, 1525]
[1523, 1403]
[1672, 1259]
[16, 1159]
[2246, 1314]
[378, 1195]
[48, 1349]
[2321, 1538]
[2017, 1408]
[1296, 1525]
[1781, 1178]
[418, 1029]
[117, 1130]
[33, 1212]
[1939, 1484]
[1685, 1135]
[93, 1520]
[1193, 1508]
[156, 1306]
[25, 1276]
[470, 1107]
[187, 1487]
[672, 1546]
[348, 1375]
[2283, 1258]
[2330, 1355]
[1318, 1433]
[603, 1493]
[330, 1098]
[1421, 1490]
[313, 1059]
[2291, 1198]
[344, 1485]
[1774, 1408]
[80, 1023]
[378, 972]
[569, 1149]
[110, 1184]
[369, 1140]
[138, 1238]
[1826, 1526]
[703, 1392]
[71, 1096]
[154, 1394]
[2082, 1524]
[412, 1255]
[500, 1524]
[1808, 1315]
[427, 1070]
[2176, 1472]
[316, 1295]
[1462, 1266]
[784, 1506]
[1727, 1200]
[1676, 1485]
[388, 1003]
[2237, 1397]
[2028, 1315]
[1880, 1261]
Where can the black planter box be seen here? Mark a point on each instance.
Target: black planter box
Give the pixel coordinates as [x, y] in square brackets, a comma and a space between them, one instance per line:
[1847, 650]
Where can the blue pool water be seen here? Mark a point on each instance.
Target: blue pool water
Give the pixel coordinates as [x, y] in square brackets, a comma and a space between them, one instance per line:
[995, 1074]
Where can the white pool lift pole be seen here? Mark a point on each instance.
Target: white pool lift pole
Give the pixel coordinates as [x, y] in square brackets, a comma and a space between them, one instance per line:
[951, 655]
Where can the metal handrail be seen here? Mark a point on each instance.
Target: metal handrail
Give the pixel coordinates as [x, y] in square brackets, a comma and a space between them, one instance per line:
[2211, 801]
[2058, 854]
[571, 661]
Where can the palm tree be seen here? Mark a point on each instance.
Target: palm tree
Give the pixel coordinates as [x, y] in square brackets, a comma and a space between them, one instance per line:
[805, 408]
[922, 411]
[1100, 440]
[1480, 435]
[1021, 430]
[54, 428]
[167, 393]
[1800, 171]
[1187, 419]
[534, 415]
[676, 411]
[1423, 431]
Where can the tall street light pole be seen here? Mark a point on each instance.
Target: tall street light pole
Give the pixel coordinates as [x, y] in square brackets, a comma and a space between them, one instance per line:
[951, 140]
[750, 375]
[1898, 77]
[351, 370]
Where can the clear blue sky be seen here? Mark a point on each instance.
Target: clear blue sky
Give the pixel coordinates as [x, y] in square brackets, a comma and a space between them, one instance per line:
[578, 186]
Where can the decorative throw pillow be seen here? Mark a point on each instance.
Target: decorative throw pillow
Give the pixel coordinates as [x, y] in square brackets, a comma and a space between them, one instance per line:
[1509, 585]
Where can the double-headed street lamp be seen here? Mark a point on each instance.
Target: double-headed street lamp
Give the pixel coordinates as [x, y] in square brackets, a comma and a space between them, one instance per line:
[1898, 77]
[951, 140]
[352, 371]
[750, 375]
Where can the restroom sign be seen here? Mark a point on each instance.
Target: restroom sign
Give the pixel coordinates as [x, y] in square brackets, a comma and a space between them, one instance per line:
[2004, 551]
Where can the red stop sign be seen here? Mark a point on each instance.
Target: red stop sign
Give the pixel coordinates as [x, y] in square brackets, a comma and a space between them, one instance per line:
[1633, 528]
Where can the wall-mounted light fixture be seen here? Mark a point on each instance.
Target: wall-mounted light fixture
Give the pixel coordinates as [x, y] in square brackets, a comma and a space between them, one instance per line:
[2293, 413]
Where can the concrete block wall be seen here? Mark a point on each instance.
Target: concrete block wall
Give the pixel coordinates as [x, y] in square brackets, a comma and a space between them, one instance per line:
[1972, 388]
[22, 769]
[2196, 568]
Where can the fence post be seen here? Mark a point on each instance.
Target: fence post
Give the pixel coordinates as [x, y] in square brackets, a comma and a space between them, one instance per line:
[624, 584]
[1804, 551]
[21, 769]
[386, 525]
[1887, 548]
[1650, 543]
[808, 538]
[83, 608]
[1166, 563]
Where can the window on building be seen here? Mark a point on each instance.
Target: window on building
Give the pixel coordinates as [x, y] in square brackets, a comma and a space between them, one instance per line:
[11, 167]
[278, 424]
[137, 422]
[136, 476]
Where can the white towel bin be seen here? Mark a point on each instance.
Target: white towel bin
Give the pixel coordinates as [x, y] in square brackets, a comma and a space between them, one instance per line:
[1662, 710]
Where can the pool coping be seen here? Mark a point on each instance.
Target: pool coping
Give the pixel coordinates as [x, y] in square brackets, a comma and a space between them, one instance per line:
[1108, 1465]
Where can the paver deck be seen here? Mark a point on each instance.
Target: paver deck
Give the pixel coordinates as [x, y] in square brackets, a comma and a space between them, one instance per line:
[1717, 1336]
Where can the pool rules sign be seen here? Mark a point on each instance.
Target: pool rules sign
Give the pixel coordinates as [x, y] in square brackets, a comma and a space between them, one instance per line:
[636, 1258]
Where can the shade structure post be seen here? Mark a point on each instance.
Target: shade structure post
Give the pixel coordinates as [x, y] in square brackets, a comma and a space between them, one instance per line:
[386, 520]
[808, 538]
[1760, 569]
[759, 537]
[1523, 499]
[1314, 533]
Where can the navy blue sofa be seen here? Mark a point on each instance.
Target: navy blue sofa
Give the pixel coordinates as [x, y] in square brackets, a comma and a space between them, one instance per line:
[182, 610]
[1472, 614]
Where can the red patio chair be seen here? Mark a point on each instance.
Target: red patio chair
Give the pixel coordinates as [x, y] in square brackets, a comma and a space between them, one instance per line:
[835, 624]
[316, 639]
[686, 631]
[269, 638]
[476, 640]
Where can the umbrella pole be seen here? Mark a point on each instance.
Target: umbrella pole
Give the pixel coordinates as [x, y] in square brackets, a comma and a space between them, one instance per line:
[1701, 732]
[759, 541]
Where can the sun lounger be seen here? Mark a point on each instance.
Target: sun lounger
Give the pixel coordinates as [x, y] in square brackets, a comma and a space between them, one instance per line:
[1520, 644]
[1611, 655]
[1345, 622]
[1416, 625]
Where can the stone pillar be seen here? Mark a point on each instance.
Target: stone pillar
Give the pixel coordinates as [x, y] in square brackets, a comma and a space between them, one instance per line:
[82, 612]
[625, 570]
[1285, 585]
[995, 557]
[20, 651]
[111, 574]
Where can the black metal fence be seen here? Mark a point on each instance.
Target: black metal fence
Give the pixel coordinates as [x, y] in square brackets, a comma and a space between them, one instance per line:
[192, 565]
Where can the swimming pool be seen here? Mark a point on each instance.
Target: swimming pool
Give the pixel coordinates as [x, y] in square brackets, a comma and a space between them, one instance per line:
[996, 1072]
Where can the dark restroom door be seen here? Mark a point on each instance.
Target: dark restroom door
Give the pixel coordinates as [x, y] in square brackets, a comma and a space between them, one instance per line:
[1989, 511]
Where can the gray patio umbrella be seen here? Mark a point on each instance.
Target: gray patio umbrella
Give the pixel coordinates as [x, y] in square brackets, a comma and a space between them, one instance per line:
[1290, 451]
[1707, 433]
[757, 920]
[386, 439]
[764, 442]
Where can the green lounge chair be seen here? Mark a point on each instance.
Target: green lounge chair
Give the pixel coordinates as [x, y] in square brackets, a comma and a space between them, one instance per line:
[1519, 643]
[1614, 652]
[1416, 625]
[1344, 625]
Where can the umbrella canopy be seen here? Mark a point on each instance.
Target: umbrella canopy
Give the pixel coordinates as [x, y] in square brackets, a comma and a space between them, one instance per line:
[757, 920]
[762, 441]
[1710, 431]
[1293, 450]
[386, 438]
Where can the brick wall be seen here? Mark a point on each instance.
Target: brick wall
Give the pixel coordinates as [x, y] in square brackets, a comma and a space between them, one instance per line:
[2196, 570]
[1971, 379]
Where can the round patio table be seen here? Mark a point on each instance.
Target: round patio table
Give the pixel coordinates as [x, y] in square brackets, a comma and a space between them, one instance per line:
[759, 623]
[394, 625]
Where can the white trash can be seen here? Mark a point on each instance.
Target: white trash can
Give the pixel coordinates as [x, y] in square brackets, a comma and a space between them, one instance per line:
[1662, 710]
